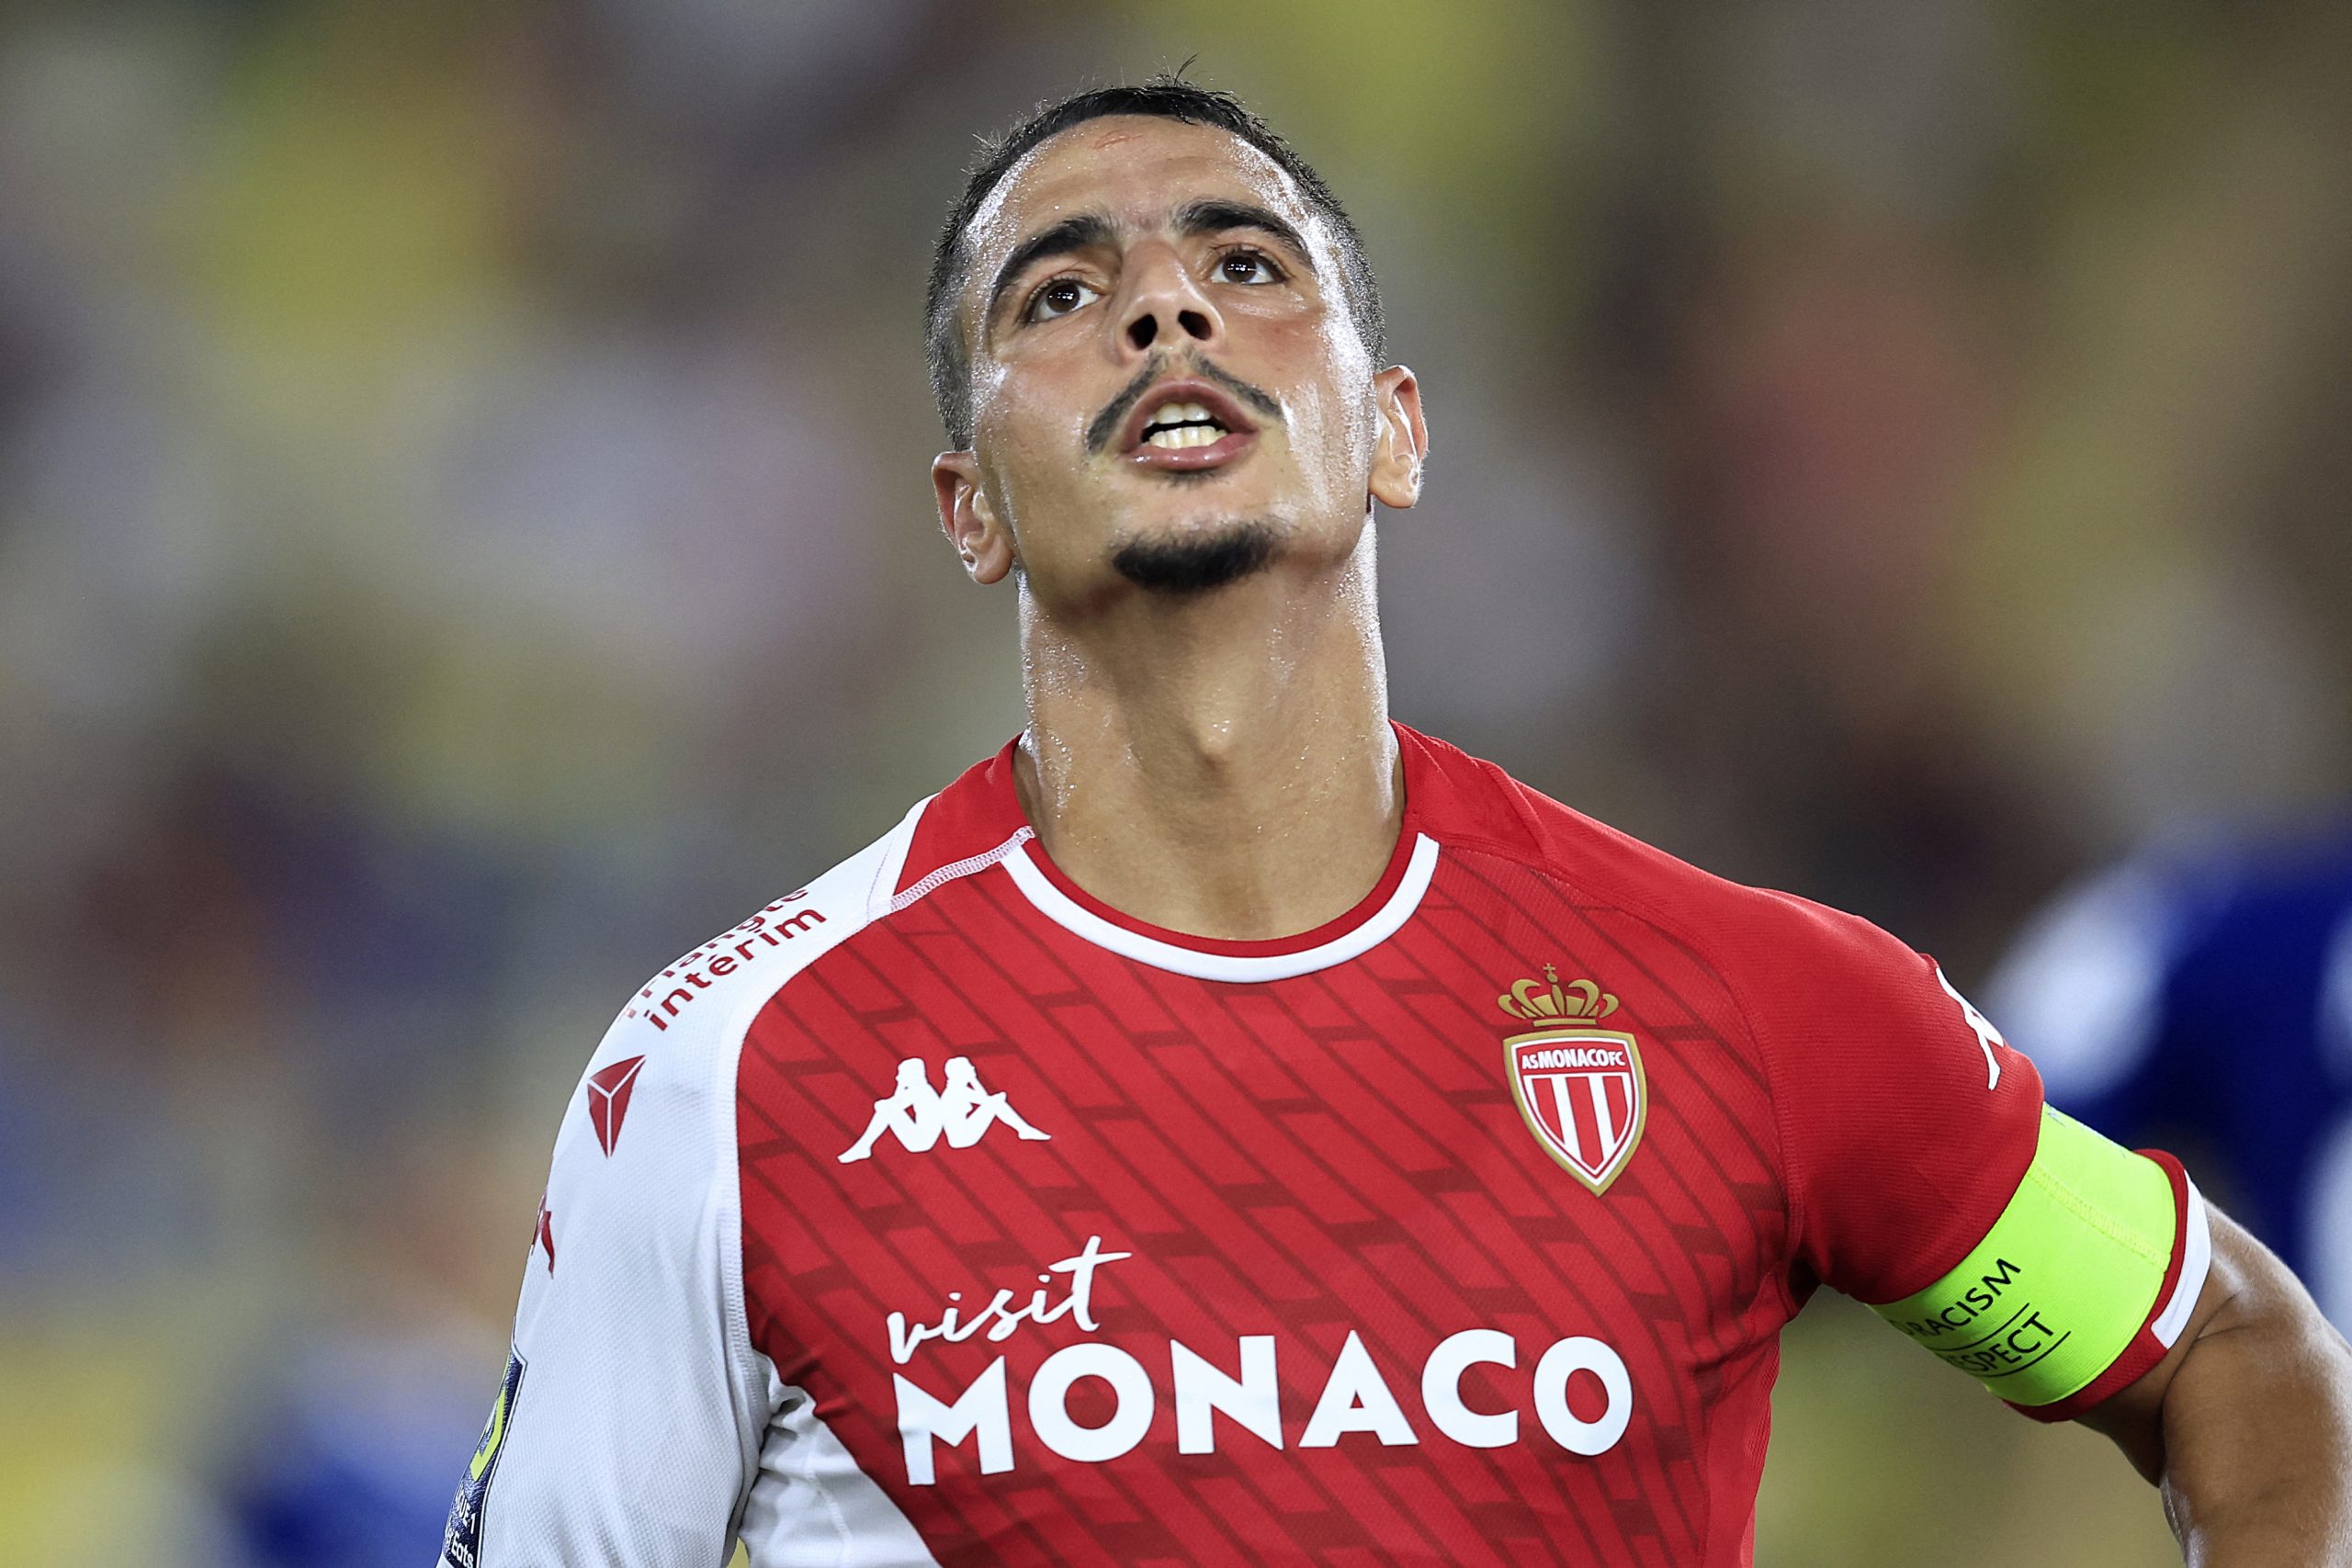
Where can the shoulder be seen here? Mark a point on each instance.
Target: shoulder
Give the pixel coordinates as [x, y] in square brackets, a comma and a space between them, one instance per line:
[680, 1034]
[1744, 933]
[686, 1024]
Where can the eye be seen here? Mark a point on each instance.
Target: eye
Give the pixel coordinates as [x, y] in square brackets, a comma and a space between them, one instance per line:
[1248, 266]
[1059, 298]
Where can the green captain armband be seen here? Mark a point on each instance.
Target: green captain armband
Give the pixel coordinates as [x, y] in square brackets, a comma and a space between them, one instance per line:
[2062, 1294]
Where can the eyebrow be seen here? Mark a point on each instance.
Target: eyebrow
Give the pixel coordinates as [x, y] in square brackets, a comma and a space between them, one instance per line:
[1081, 231]
[1086, 230]
[1214, 216]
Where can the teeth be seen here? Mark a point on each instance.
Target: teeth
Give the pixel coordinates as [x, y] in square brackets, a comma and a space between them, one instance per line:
[1183, 424]
[1174, 436]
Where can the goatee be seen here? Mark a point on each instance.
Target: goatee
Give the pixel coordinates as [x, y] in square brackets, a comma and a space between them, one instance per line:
[1197, 562]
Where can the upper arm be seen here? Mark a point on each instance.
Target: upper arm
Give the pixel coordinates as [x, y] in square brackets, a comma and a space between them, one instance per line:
[1932, 1182]
[1905, 1121]
[2252, 1317]
[630, 1419]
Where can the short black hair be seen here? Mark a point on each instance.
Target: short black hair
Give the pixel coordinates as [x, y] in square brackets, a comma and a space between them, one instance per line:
[1167, 97]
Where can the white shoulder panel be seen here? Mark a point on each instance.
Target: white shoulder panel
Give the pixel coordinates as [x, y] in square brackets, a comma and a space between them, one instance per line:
[813, 1507]
[707, 999]
[637, 1425]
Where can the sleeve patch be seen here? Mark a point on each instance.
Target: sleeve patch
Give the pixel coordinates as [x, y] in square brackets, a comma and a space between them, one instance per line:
[2065, 1280]
[461, 1542]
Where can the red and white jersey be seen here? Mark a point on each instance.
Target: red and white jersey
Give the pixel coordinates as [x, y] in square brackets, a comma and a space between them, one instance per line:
[940, 1213]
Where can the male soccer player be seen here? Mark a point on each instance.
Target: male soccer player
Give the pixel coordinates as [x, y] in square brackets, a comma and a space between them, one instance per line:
[1327, 1149]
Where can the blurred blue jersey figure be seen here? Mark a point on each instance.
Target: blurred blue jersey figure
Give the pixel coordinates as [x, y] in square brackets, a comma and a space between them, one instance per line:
[2203, 993]
[348, 1464]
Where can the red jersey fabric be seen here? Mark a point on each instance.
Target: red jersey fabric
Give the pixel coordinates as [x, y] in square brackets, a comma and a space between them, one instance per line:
[1276, 1253]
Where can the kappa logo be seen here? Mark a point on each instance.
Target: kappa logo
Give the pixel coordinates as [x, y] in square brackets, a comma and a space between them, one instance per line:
[1979, 1025]
[1581, 1087]
[920, 1115]
[608, 1092]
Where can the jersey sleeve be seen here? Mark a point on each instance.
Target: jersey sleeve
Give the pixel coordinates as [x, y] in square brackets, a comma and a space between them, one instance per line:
[627, 1427]
[1926, 1179]
[1905, 1121]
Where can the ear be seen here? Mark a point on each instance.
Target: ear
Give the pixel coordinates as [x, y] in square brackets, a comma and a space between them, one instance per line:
[970, 519]
[1404, 439]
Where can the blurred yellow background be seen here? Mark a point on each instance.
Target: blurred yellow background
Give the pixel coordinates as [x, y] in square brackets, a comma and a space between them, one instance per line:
[465, 537]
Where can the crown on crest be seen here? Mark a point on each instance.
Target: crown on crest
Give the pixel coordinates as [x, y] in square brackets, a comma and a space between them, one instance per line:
[1579, 1001]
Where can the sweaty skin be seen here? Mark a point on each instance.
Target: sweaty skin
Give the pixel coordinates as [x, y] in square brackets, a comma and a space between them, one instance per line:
[2246, 1426]
[1220, 761]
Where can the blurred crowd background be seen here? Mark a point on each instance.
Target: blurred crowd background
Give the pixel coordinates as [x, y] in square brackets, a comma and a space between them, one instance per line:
[465, 535]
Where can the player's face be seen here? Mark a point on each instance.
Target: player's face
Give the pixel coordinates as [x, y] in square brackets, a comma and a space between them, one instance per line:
[1163, 366]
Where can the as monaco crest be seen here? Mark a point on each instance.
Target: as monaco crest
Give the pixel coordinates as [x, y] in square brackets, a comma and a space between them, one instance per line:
[1580, 1086]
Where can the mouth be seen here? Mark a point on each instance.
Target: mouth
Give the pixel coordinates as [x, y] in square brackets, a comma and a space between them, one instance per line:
[1187, 425]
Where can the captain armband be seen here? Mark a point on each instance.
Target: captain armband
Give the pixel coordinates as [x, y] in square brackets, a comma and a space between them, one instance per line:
[2081, 1285]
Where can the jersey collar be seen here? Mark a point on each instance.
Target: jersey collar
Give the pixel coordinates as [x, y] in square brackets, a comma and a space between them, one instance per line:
[993, 808]
[1373, 921]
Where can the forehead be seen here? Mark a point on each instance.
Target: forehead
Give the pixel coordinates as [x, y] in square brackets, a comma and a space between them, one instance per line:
[1136, 170]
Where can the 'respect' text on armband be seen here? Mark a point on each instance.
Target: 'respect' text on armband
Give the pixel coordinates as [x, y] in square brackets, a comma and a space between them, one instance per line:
[2085, 1279]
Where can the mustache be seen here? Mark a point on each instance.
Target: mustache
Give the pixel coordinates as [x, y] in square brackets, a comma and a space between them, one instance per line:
[1114, 413]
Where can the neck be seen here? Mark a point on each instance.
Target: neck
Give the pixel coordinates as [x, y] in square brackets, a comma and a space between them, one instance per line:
[1219, 764]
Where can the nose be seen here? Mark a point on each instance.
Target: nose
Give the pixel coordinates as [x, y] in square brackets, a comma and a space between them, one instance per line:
[1164, 305]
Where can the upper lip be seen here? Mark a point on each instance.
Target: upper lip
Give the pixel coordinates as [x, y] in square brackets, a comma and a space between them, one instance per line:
[1186, 389]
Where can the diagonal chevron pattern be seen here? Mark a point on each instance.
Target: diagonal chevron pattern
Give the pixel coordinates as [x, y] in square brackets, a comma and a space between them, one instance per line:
[1333, 1162]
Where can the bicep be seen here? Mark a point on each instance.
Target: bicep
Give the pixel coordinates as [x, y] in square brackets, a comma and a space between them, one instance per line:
[2083, 1283]
[2133, 1417]
[1930, 1182]
[2255, 1356]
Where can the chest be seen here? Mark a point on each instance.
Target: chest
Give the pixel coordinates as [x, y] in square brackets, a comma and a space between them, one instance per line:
[1018, 1217]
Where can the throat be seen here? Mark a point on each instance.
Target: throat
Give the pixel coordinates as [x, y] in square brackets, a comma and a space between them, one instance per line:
[1217, 762]
[1228, 828]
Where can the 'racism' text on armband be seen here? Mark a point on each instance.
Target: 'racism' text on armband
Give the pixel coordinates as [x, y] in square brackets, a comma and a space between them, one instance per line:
[2082, 1284]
